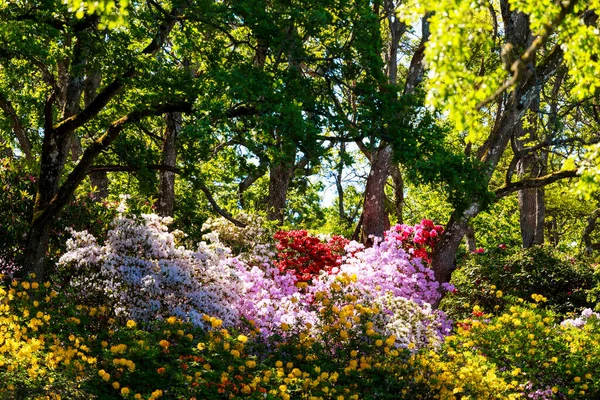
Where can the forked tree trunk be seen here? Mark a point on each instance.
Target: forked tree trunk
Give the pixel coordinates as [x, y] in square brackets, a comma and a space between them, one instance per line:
[375, 217]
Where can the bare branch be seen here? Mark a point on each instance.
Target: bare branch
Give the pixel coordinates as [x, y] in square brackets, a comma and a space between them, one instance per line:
[216, 207]
[93, 150]
[534, 182]
[104, 97]
[127, 168]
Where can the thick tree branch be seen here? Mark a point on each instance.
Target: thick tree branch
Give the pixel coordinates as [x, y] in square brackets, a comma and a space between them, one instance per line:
[73, 180]
[17, 127]
[104, 97]
[534, 182]
[127, 168]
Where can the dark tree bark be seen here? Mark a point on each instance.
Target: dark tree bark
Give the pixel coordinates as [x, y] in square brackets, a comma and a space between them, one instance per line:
[375, 217]
[587, 232]
[17, 127]
[166, 187]
[280, 176]
[338, 183]
[398, 192]
[99, 179]
[470, 240]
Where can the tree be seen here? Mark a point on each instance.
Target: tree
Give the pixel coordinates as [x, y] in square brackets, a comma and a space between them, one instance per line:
[486, 93]
[60, 52]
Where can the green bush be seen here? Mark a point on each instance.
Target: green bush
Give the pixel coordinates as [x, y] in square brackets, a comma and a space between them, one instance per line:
[485, 279]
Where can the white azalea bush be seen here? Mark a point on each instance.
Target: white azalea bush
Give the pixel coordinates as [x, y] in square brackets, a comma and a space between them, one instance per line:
[143, 274]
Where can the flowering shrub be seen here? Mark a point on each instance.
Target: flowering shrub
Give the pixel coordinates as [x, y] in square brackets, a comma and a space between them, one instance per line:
[272, 298]
[581, 320]
[418, 240]
[253, 243]
[141, 273]
[307, 256]
[532, 352]
[39, 354]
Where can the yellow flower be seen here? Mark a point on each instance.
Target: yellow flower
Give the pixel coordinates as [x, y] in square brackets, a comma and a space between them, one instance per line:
[116, 385]
[577, 379]
[35, 285]
[201, 346]
[137, 396]
[171, 320]
[285, 327]
[131, 324]
[250, 363]
[125, 391]
[379, 343]
[242, 338]
[25, 285]
[164, 343]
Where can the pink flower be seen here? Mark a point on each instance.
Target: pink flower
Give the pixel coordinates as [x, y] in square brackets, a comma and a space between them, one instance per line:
[502, 246]
[479, 250]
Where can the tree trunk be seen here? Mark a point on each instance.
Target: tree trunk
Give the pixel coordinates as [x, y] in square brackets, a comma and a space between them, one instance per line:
[36, 248]
[375, 218]
[338, 183]
[55, 150]
[470, 239]
[98, 179]
[280, 175]
[589, 228]
[398, 192]
[166, 188]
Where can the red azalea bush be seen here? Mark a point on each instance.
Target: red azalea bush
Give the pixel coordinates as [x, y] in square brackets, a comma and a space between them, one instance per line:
[418, 240]
[306, 255]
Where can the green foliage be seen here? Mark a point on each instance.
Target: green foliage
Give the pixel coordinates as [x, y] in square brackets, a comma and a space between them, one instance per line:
[112, 14]
[464, 62]
[486, 279]
[423, 144]
[498, 225]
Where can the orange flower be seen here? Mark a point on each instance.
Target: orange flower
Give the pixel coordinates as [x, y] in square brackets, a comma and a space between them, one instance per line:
[160, 370]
